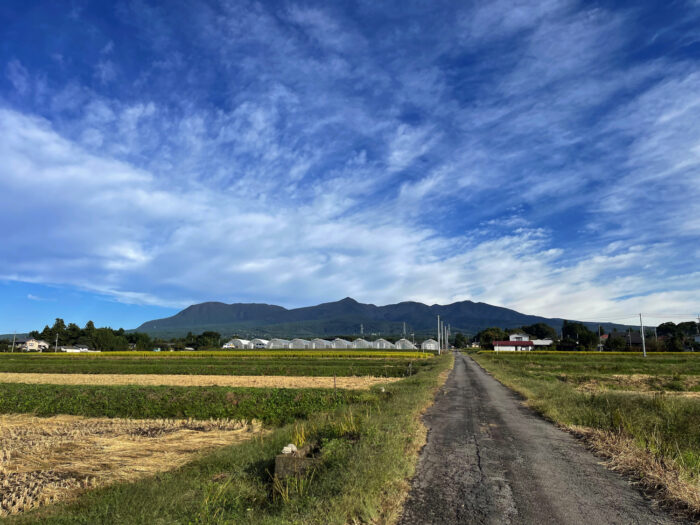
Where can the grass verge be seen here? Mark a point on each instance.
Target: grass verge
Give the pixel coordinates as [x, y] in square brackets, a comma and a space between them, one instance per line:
[655, 438]
[367, 452]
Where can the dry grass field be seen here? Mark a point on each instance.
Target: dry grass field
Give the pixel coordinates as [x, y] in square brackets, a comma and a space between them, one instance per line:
[44, 460]
[347, 383]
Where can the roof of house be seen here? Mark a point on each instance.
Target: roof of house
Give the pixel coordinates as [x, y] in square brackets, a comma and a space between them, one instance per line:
[513, 343]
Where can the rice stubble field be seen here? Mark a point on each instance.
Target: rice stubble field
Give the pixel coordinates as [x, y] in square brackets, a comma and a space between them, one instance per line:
[153, 455]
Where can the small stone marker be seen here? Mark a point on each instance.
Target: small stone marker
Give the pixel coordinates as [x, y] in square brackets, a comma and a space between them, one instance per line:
[293, 461]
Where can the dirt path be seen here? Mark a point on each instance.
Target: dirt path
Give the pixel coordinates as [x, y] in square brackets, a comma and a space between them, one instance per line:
[491, 460]
[347, 383]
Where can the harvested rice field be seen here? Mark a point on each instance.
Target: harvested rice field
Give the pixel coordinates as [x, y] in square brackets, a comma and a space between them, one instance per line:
[346, 383]
[45, 460]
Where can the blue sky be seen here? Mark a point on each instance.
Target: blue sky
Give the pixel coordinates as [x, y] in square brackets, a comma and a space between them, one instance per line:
[543, 156]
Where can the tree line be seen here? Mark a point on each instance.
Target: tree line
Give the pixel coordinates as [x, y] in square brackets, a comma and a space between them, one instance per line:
[669, 337]
[109, 339]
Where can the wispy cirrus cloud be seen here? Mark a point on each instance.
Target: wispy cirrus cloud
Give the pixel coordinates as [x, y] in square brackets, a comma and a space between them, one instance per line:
[531, 157]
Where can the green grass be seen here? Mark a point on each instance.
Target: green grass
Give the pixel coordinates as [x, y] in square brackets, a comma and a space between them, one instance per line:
[367, 451]
[666, 425]
[232, 364]
[272, 406]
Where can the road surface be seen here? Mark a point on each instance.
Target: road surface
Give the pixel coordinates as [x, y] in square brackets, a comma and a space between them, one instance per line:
[491, 460]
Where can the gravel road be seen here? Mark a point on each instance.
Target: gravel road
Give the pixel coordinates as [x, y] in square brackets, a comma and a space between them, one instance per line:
[491, 460]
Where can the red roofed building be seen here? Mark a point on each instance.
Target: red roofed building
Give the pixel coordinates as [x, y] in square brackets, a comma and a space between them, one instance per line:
[513, 346]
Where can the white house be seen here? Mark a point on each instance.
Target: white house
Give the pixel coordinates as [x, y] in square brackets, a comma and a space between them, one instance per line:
[542, 342]
[320, 343]
[341, 343]
[519, 337]
[299, 344]
[513, 346]
[34, 345]
[238, 343]
[429, 344]
[361, 343]
[404, 344]
[259, 344]
[278, 344]
[383, 344]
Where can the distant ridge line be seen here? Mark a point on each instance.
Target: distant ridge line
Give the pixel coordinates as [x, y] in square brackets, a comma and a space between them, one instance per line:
[342, 317]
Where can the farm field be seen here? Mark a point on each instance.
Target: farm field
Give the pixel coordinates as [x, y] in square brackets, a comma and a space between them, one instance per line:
[368, 363]
[45, 460]
[643, 414]
[204, 453]
[348, 383]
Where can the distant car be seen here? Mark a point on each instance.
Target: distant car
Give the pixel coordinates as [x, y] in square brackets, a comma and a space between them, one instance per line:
[156, 349]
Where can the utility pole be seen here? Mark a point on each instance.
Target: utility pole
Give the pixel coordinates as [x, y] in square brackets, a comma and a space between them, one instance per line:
[641, 327]
[362, 329]
[55, 346]
[600, 349]
[13, 341]
[438, 334]
[404, 329]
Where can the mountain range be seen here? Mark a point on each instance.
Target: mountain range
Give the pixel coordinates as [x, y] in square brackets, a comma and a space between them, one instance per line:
[344, 317]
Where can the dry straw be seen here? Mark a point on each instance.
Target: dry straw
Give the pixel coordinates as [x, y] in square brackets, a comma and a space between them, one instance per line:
[347, 383]
[44, 460]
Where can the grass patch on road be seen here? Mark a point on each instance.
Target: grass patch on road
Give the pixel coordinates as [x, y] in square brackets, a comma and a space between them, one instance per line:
[233, 363]
[579, 392]
[367, 452]
[272, 406]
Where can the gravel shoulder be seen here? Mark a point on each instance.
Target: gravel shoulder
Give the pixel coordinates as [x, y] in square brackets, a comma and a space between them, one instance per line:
[491, 460]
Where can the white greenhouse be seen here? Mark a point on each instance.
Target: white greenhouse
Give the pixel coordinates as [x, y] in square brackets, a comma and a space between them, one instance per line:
[341, 343]
[383, 344]
[405, 344]
[240, 344]
[299, 344]
[259, 343]
[361, 343]
[321, 343]
[278, 344]
[429, 344]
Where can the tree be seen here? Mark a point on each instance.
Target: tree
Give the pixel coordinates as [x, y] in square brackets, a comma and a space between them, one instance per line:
[615, 342]
[667, 329]
[579, 335]
[541, 331]
[488, 336]
[73, 333]
[105, 339]
[460, 340]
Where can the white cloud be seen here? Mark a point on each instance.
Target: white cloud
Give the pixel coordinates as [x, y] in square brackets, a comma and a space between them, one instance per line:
[18, 75]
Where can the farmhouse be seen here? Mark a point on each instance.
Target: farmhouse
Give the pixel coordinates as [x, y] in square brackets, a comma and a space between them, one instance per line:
[341, 343]
[321, 343]
[405, 344]
[361, 343]
[259, 343]
[519, 337]
[34, 345]
[383, 344]
[513, 346]
[238, 343]
[429, 344]
[278, 344]
[300, 344]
